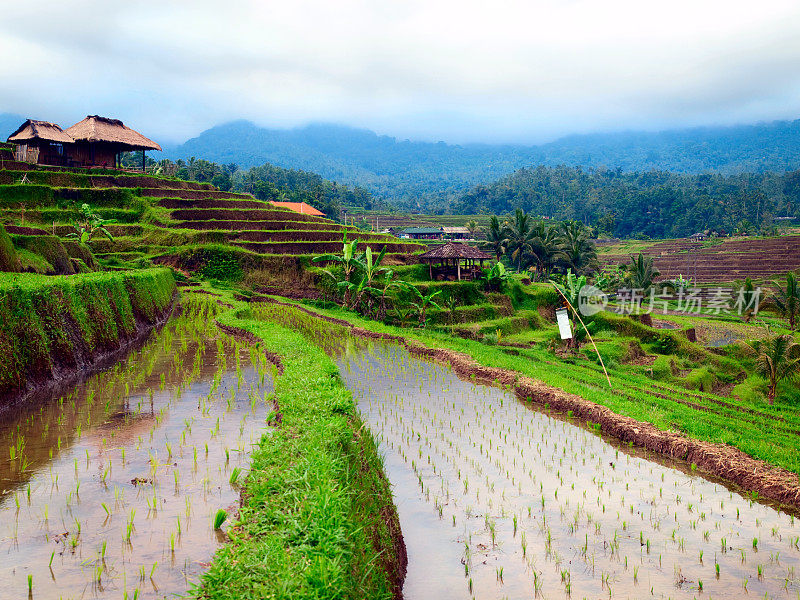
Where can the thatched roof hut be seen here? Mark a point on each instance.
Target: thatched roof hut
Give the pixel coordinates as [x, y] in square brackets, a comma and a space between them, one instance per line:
[100, 140]
[32, 131]
[96, 129]
[40, 142]
[450, 256]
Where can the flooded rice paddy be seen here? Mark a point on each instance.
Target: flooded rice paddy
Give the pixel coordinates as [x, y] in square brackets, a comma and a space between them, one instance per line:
[499, 500]
[110, 490]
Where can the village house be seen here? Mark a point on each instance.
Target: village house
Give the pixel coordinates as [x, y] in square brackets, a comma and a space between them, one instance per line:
[93, 142]
[422, 233]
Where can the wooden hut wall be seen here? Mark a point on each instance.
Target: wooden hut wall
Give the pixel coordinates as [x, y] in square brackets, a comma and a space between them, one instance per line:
[101, 154]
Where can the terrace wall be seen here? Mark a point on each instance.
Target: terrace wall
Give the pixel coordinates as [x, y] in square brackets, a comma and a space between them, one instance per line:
[54, 328]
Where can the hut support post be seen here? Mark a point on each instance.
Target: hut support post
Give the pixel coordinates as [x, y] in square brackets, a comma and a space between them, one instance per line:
[142, 161]
[430, 270]
[458, 262]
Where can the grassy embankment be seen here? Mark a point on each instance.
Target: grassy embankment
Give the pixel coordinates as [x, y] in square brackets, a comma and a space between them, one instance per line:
[52, 326]
[317, 519]
[159, 220]
[764, 432]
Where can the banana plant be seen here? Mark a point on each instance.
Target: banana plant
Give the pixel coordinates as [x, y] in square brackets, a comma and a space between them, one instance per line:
[347, 260]
[387, 283]
[497, 276]
[422, 302]
[369, 268]
[87, 225]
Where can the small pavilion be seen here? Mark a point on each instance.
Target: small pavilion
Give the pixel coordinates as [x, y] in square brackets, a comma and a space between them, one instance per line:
[100, 140]
[449, 259]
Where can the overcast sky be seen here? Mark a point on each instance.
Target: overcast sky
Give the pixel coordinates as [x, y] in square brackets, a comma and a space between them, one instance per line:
[459, 71]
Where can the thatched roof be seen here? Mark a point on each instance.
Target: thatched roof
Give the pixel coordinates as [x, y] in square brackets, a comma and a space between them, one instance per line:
[455, 250]
[39, 130]
[102, 129]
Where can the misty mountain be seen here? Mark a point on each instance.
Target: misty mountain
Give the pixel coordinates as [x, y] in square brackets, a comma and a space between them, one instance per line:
[432, 174]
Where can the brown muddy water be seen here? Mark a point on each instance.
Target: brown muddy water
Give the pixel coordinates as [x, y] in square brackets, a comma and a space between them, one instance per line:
[499, 500]
[110, 489]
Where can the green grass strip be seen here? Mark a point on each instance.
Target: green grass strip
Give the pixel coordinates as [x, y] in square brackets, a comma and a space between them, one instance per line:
[314, 519]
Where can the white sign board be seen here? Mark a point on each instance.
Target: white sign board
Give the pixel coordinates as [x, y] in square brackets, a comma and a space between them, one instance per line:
[563, 324]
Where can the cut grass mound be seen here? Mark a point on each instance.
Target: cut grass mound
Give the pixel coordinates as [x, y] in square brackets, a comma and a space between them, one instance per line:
[317, 519]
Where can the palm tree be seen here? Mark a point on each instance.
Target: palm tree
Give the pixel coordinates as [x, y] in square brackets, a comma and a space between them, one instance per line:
[472, 226]
[641, 272]
[578, 252]
[778, 359]
[520, 238]
[495, 238]
[547, 248]
[787, 301]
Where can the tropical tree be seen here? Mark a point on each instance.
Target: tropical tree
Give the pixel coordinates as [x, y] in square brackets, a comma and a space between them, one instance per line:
[359, 285]
[348, 261]
[787, 301]
[578, 252]
[495, 238]
[496, 277]
[472, 226]
[546, 248]
[520, 238]
[641, 272]
[386, 284]
[778, 359]
[572, 292]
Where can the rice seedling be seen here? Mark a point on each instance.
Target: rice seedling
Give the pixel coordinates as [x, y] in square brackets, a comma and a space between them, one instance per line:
[219, 519]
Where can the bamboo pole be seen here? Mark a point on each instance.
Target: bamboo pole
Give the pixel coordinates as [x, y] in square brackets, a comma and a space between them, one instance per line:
[591, 339]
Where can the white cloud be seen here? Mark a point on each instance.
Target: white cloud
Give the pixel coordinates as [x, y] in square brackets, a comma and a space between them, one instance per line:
[467, 70]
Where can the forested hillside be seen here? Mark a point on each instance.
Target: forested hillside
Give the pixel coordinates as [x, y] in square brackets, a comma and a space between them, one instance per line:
[653, 203]
[430, 175]
[266, 182]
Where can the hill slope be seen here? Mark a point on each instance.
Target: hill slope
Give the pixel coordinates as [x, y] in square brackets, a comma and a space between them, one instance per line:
[431, 174]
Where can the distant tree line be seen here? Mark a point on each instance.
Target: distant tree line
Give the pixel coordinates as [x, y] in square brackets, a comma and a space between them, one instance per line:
[655, 204]
[267, 182]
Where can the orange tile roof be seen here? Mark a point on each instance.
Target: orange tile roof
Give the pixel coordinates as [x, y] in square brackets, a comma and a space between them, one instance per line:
[300, 207]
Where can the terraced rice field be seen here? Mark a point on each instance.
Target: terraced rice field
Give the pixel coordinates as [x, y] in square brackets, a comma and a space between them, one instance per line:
[112, 488]
[153, 214]
[499, 500]
[725, 262]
